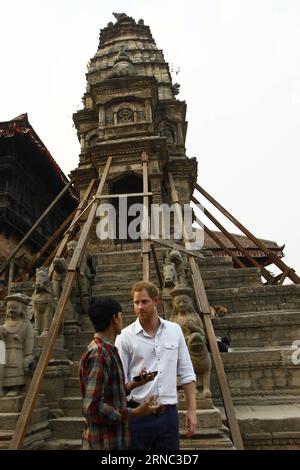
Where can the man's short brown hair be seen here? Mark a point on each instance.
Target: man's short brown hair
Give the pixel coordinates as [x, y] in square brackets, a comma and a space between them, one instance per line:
[151, 289]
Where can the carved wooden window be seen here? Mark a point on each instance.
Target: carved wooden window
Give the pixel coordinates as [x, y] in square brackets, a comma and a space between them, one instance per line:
[125, 115]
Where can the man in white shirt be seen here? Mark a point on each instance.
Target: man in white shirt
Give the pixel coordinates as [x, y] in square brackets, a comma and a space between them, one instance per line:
[157, 345]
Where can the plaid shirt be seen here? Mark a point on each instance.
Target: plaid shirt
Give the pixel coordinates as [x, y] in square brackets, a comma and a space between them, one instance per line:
[104, 403]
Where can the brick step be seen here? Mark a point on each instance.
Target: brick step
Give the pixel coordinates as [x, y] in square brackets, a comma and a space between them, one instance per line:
[116, 268]
[269, 427]
[133, 255]
[62, 444]
[257, 299]
[72, 386]
[35, 437]
[72, 406]
[260, 400]
[9, 420]
[259, 372]
[73, 426]
[67, 426]
[258, 329]
[212, 279]
[206, 441]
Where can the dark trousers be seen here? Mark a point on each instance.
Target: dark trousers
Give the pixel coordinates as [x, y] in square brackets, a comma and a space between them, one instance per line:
[155, 432]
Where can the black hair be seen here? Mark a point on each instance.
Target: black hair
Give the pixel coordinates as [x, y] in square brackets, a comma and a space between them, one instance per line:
[102, 310]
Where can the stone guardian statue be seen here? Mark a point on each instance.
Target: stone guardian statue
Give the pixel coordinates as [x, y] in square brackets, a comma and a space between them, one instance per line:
[18, 335]
[186, 316]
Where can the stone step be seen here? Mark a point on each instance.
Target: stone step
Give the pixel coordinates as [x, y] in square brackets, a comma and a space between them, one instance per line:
[62, 444]
[269, 427]
[9, 420]
[110, 275]
[15, 404]
[67, 426]
[211, 418]
[260, 329]
[35, 437]
[133, 255]
[259, 372]
[72, 387]
[257, 299]
[72, 406]
[207, 421]
[206, 441]
[252, 375]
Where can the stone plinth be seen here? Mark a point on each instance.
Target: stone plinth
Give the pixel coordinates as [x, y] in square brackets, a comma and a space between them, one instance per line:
[38, 430]
[58, 368]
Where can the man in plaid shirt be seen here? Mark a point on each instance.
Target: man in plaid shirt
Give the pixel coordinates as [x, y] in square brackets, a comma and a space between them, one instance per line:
[102, 383]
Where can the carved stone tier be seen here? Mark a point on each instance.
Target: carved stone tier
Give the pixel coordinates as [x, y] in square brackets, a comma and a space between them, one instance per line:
[59, 367]
[38, 431]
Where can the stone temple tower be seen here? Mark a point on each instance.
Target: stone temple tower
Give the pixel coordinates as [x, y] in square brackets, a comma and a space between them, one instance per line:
[130, 107]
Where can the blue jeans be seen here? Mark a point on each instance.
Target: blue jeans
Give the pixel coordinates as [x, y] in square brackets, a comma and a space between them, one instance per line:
[155, 432]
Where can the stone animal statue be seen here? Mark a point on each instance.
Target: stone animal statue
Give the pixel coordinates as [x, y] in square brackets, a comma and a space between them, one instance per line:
[169, 282]
[43, 302]
[60, 268]
[201, 360]
[58, 277]
[181, 266]
[80, 296]
[120, 17]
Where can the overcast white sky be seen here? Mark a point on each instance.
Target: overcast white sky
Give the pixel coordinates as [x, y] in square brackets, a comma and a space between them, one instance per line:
[239, 64]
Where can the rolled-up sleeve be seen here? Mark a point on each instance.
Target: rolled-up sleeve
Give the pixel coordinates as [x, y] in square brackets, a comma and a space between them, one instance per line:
[185, 368]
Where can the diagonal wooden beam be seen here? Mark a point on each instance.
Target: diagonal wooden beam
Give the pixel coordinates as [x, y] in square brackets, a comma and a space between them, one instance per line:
[203, 307]
[34, 227]
[251, 260]
[37, 379]
[273, 257]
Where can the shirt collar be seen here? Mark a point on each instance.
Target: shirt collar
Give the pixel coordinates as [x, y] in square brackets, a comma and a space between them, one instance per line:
[103, 338]
[138, 327]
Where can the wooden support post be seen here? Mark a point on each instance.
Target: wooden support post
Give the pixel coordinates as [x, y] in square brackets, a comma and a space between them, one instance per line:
[58, 252]
[10, 274]
[203, 307]
[275, 259]
[34, 227]
[159, 276]
[221, 244]
[36, 382]
[145, 221]
[175, 246]
[49, 242]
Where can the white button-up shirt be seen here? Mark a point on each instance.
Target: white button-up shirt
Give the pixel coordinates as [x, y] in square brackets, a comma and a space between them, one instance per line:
[166, 352]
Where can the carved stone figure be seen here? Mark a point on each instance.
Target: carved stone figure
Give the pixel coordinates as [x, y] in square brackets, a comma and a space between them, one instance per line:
[176, 89]
[185, 315]
[60, 268]
[43, 302]
[121, 17]
[169, 282]
[181, 266]
[2, 359]
[58, 277]
[123, 66]
[82, 291]
[18, 335]
[174, 273]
